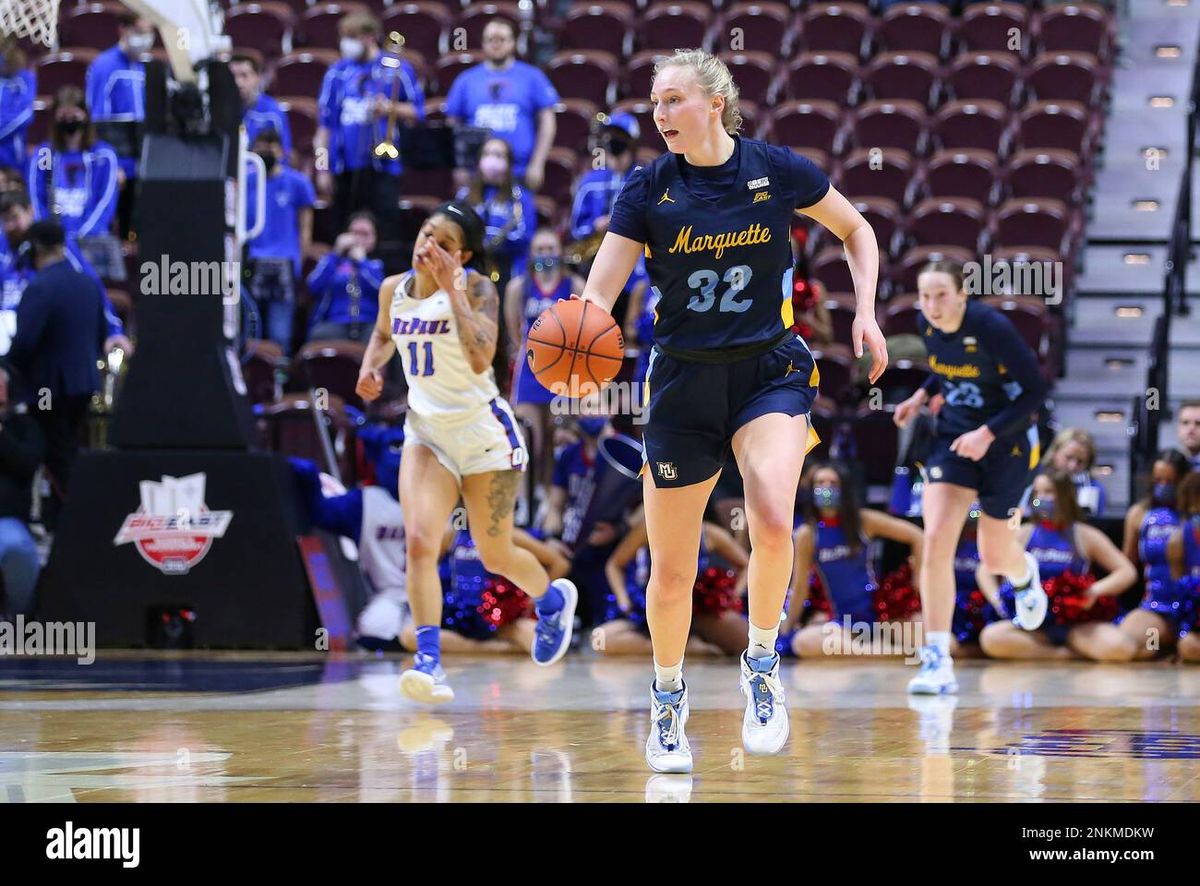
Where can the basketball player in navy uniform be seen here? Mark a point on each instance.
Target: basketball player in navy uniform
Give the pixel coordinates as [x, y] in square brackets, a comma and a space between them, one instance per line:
[460, 437]
[726, 375]
[985, 449]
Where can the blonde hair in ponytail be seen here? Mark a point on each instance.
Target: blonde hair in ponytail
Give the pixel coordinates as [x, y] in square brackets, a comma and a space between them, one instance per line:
[714, 79]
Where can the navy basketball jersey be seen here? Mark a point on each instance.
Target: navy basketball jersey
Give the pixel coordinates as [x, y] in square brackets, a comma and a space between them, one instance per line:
[986, 372]
[718, 259]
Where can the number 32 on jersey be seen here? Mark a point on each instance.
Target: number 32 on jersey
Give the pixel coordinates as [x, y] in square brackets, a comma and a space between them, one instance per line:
[738, 278]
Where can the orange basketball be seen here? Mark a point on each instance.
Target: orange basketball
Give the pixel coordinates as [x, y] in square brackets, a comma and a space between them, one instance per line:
[574, 348]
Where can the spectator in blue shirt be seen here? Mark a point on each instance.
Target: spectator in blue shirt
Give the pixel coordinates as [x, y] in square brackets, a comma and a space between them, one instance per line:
[74, 179]
[262, 111]
[513, 99]
[346, 284]
[507, 209]
[356, 96]
[17, 269]
[18, 86]
[277, 252]
[116, 97]
[597, 190]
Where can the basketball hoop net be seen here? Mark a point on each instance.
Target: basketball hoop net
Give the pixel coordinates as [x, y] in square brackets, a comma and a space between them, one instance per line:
[35, 19]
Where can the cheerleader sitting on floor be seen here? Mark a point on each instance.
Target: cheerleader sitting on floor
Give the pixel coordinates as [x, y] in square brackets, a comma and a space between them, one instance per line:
[1183, 555]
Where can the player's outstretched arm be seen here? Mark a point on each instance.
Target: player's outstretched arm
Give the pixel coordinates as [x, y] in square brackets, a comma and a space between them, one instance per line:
[380, 347]
[610, 271]
[836, 213]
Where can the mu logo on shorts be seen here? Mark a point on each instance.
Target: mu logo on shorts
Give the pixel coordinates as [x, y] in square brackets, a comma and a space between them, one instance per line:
[666, 470]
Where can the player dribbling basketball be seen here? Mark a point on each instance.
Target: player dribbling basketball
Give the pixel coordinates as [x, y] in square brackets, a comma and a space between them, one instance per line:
[713, 218]
[460, 437]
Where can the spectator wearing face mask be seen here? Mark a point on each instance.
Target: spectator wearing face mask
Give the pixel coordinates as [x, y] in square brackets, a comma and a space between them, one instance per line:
[513, 99]
[116, 95]
[74, 178]
[262, 111]
[597, 190]
[346, 284]
[275, 254]
[507, 209]
[18, 86]
[356, 96]
[545, 282]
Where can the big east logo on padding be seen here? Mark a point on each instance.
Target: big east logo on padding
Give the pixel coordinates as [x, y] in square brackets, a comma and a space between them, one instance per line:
[173, 529]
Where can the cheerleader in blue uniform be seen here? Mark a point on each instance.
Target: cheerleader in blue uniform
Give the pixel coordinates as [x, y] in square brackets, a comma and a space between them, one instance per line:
[718, 622]
[545, 281]
[833, 539]
[483, 612]
[1065, 548]
[1183, 556]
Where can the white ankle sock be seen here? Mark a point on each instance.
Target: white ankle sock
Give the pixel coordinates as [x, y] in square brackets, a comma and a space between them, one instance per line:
[668, 678]
[939, 640]
[762, 640]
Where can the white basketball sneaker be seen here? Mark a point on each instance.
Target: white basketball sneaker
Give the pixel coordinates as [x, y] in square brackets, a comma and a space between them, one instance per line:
[1032, 602]
[765, 724]
[936, 676]
[425, 681]
[667, 748]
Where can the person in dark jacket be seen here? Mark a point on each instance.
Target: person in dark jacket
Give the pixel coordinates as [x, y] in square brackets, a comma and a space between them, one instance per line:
[60, 334]
[21, 450]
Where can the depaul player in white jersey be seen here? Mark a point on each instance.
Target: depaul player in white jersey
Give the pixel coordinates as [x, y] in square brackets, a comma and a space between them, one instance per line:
[460, 438]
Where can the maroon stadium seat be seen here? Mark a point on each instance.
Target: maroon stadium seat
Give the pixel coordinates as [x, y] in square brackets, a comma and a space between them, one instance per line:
[829, 266]
[332, 365]
[414, 209]
[666, 26]
[301, 73]
[89, 25]
[1028, 315]
[954, 221]
[584, 73]
[753, 72]
[561, 167]
[425, 26]
[876, 442]
[883, 215]
[1052, 124]
[262, 25]
[824, 76]
[842, 308]
[891, 124]
[1082, 27]
[753, 120]
[1066, 76]
[808, 124]
[575, 118]
[1032, 221]
[842, 27]
[757, 27]
[637, 75]
[902, 379]
[962, 172]
[318, 26]
[905, 272]
[835, 362]
[290, 430]
[598, 24]
[972, 124]
[302, 119]
[903, 75]
[887, 173]
[916, 27]
[900, 315]
[985, 75]
[1044, 172]
[66, 68]
[990, 27]
[262, 362]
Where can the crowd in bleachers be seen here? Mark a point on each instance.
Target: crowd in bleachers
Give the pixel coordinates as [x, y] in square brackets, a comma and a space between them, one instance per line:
[958, 130]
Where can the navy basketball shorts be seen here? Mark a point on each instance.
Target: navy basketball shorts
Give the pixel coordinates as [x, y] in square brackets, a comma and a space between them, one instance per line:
[695, 408]
[1000, 477]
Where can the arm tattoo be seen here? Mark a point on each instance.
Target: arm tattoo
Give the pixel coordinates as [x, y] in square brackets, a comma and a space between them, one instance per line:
[479, 326]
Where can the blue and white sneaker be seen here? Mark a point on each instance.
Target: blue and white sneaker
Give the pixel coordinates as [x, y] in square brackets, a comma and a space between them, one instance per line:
[425, 681]
[765, 724]
[1032, 603]
[552, 636]
[667, 748]
[936, 676]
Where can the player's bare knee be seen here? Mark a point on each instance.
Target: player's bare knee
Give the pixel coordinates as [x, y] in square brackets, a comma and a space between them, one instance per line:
[671, 584]
[771, 528]
[420, 544]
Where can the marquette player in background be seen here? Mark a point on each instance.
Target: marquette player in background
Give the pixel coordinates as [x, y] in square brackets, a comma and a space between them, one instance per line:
[985, 449]
[712, 218]
[460, 437]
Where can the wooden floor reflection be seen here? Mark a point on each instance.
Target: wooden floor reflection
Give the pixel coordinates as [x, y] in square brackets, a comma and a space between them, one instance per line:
[575, 734]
